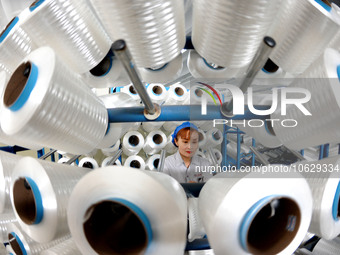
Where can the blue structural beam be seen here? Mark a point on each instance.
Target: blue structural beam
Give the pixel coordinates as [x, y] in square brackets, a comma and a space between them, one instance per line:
[13, 149]
[179, 113]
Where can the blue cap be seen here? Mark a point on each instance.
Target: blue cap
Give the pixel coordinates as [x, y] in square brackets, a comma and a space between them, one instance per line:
[184, 125]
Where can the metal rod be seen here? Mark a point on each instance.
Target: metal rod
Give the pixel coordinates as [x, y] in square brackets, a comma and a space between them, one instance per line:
[296, 154]
[122, 52]
[73, 159]
[46, 155]
[255, 66]
[161, 161]
[180, 113]
[115, 157]
[259, 156]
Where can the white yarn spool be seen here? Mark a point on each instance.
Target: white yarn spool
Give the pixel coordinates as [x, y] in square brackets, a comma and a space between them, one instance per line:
[105, 73]
[5, 220]
[302, 31]
[327, 247]
[323, 126]
[170, 147]
[72, 29]
[177, 95]
[196, 94]
[152, 125]
[201, 69]
[232, 149]
[267, 214]
[205, 125]
[3, 18]
[153, 30]
[130, 90]
[335, 43]
[200, 154]
[166, 73]
[116, 130]
[154, 142]
[21, 243]
[152, 162]
[264, 134]
[232, 31]
[88, 162]
[157, 93]
[135, 161]
[107, 159]
[112, 150]
[214, 137]
[15, 44]
[218, 156]
[40, 191]
[325, 187]
[67, 247]
[13, 8]
[64, 160]
[7, 163]
[158, 208]
[202, 138]
[170, 126]
[133, 142]
[55, 109]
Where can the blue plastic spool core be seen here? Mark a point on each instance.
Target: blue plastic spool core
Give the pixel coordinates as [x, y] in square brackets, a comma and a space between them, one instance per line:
[38, 200]
[211, 67]
[12, 99]
[338, 71]
[36, 4]
[324, 5]
[120, 225]
[17, 244]
[336, 205]
[8, 29]
[270, 225]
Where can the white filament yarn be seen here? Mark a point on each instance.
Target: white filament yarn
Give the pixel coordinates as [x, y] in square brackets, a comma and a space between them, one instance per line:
[54, 184]
[15, 44]
[214, 137]
[232, 31]
[14, 8]
[201, 69]
[130, 90]
[202, 138]
[3, 18]
[157, 93]
[327, 247]
[72, 29]
[160, 198]
[152, 162]
[116, 130]
[88, 162]
[5, 220]
[170, 147]
[321, 80]
[21, 243]
[164, 74]
[7, 163]
[218, 156]
[135, 161]
[242, 197]
[325, 187]
[133, 142]
[302, 30]
[177, 95]
[153, 30]
[58, 111]
[111, 150]
[67, 247]
[170, 126]
[150, 126]
[64, 160]
[107, 159]
[154, 142]
[335, 43]
[200, 154]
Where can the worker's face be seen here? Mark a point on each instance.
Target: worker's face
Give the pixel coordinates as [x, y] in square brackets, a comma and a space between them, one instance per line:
[186, 147]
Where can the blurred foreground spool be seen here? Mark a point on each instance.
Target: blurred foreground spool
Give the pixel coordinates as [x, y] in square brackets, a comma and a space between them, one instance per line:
[268, 215]
[46, 103]
[5, 220]
[302, 31]
[153, 30]
[232, 31]
[40, 191]
[325, 187]
[121, 216]
[72, 29]
[321, 79]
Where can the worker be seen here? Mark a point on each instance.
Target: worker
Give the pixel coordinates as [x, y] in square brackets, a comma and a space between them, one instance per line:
[184, 165]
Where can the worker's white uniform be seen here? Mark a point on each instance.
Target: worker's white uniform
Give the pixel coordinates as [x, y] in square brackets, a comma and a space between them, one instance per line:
[175, 167]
